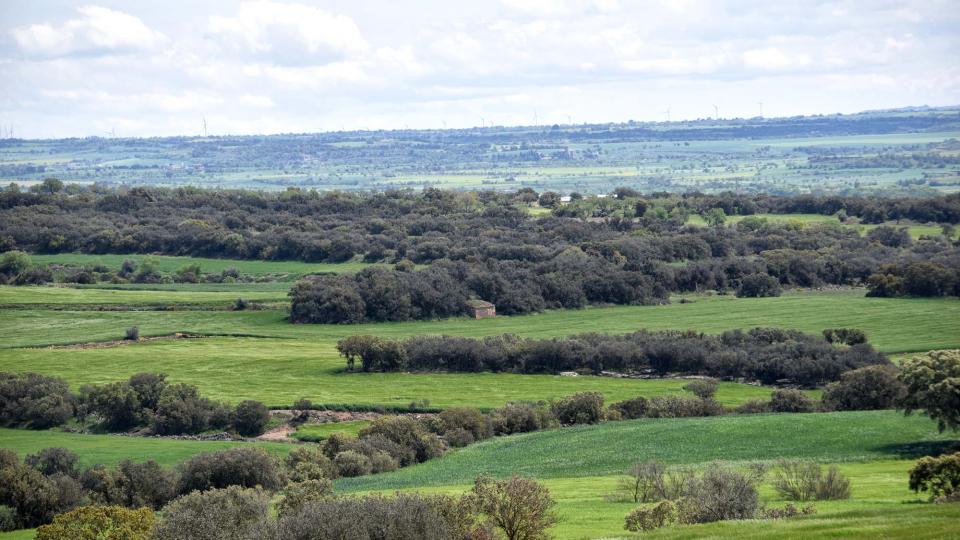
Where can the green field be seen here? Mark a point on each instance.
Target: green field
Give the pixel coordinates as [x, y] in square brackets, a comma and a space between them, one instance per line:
[166, 263]
[892, 324]
[21, 296]
[318, 432]
[112, 449]
[581, 465]
[612, 447]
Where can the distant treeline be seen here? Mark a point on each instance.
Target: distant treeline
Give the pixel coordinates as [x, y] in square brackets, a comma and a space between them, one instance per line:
[769, 355]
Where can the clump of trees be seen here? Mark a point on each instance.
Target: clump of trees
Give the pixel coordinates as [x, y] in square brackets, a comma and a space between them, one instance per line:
[938, 476]
[145, 400]
[766, 354]
[932, 384]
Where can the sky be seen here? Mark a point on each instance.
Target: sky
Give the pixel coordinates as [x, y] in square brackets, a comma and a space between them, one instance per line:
[132, 68]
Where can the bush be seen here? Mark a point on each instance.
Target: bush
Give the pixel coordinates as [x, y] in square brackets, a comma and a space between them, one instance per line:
[631, 408]
[50, 461]
[758, 285]
[520, 417]
[652, 481]
[865, 389]
[469, 419]
[520, 507]
[8, 518]
[682, 407]
[218, 514]
[651, 517]
[242, 466]
[35, 498]
[350, 464]
[297, 494]
[459, 437]
[100, 523]
[34, 400]
[940, 476]
[703, 388]
[580, 408]
[787, 511]
[307, 462]
[116, 403]
[405, 432]
[132, 333]
[399, 517]
[801, 481]
[754, 406]
[250, 418]
[846, 336]
[145, 483]
[720, 494]
[181, 409]
[791, 401]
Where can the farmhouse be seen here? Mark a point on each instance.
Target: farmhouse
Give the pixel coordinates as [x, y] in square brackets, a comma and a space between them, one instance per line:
[481, 310]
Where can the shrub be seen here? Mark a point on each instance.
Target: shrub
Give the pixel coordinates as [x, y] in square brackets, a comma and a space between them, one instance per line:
[181, 409]
[787, 511]
[145, 483]
[682, 407]
[846, 336]
[721, 493]
[803, 481]
[132, 333]
[652, 481]
[407, 433]
[651, 517]
[754, 406]
[469, 419]
[631, 408]
[459, 437]
[218, 514]
[251, 417]
[580, 408]
[240, 304]
[116, 403]
[940, 476]
[34, 497]
[50, 461]
[399, 517]
[932, 384]
[8, 518]
[242, 466]
[520, 417]
[34, 400]
[520, 507]
[703, 388]
[865, 389]
[100, 523]
[350, 464]
[309, 463]
[791, 401]
[297, 494]
[758, 285]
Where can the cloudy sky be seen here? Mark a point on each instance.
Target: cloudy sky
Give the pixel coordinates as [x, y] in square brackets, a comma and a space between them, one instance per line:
[158, 68]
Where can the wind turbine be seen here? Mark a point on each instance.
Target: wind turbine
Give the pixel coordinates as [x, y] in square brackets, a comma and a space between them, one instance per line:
[716, 112]
[760, 103]
[204, 126]
[667, 112]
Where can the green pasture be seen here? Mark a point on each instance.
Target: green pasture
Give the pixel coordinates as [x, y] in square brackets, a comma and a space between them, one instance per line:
[893, 325]
[278, 372]
[166, 263]
[612, 447]
[27, 295]
[111, 449]
[881, 506]
[318, 432]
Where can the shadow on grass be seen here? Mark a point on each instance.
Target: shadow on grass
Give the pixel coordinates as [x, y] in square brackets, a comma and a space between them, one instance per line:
[920, 449]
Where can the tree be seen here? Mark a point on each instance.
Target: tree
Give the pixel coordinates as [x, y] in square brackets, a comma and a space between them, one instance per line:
[703, 388]
[791, 401]
[13, 263]
[715, 217]
[758, 285]
[865, 389]
[580, 408]
[218, 514]
[51, 185]
[50, 461]
[940, 476]
[100, 523]
[933, 386]
[520, 507]
[251, 418]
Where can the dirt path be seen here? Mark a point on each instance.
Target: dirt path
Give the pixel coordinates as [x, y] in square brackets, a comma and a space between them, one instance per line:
[281, 434]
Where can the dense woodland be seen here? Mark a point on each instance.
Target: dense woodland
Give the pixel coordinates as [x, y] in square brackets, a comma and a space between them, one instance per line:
[623, 249]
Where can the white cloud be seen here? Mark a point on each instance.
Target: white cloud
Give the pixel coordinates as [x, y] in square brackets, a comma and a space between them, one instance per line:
[773, 58]
[288, 33]
[97, 30]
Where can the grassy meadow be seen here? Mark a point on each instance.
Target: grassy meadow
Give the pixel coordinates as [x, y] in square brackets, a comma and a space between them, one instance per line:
[168, 263]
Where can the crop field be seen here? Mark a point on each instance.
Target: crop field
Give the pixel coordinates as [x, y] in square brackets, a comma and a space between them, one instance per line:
[23, 296]
[112, 449]
[581, 465]
[167, 263]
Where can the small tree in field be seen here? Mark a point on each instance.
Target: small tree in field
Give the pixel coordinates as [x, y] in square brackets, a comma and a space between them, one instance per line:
[520, 507]
[933, 386]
